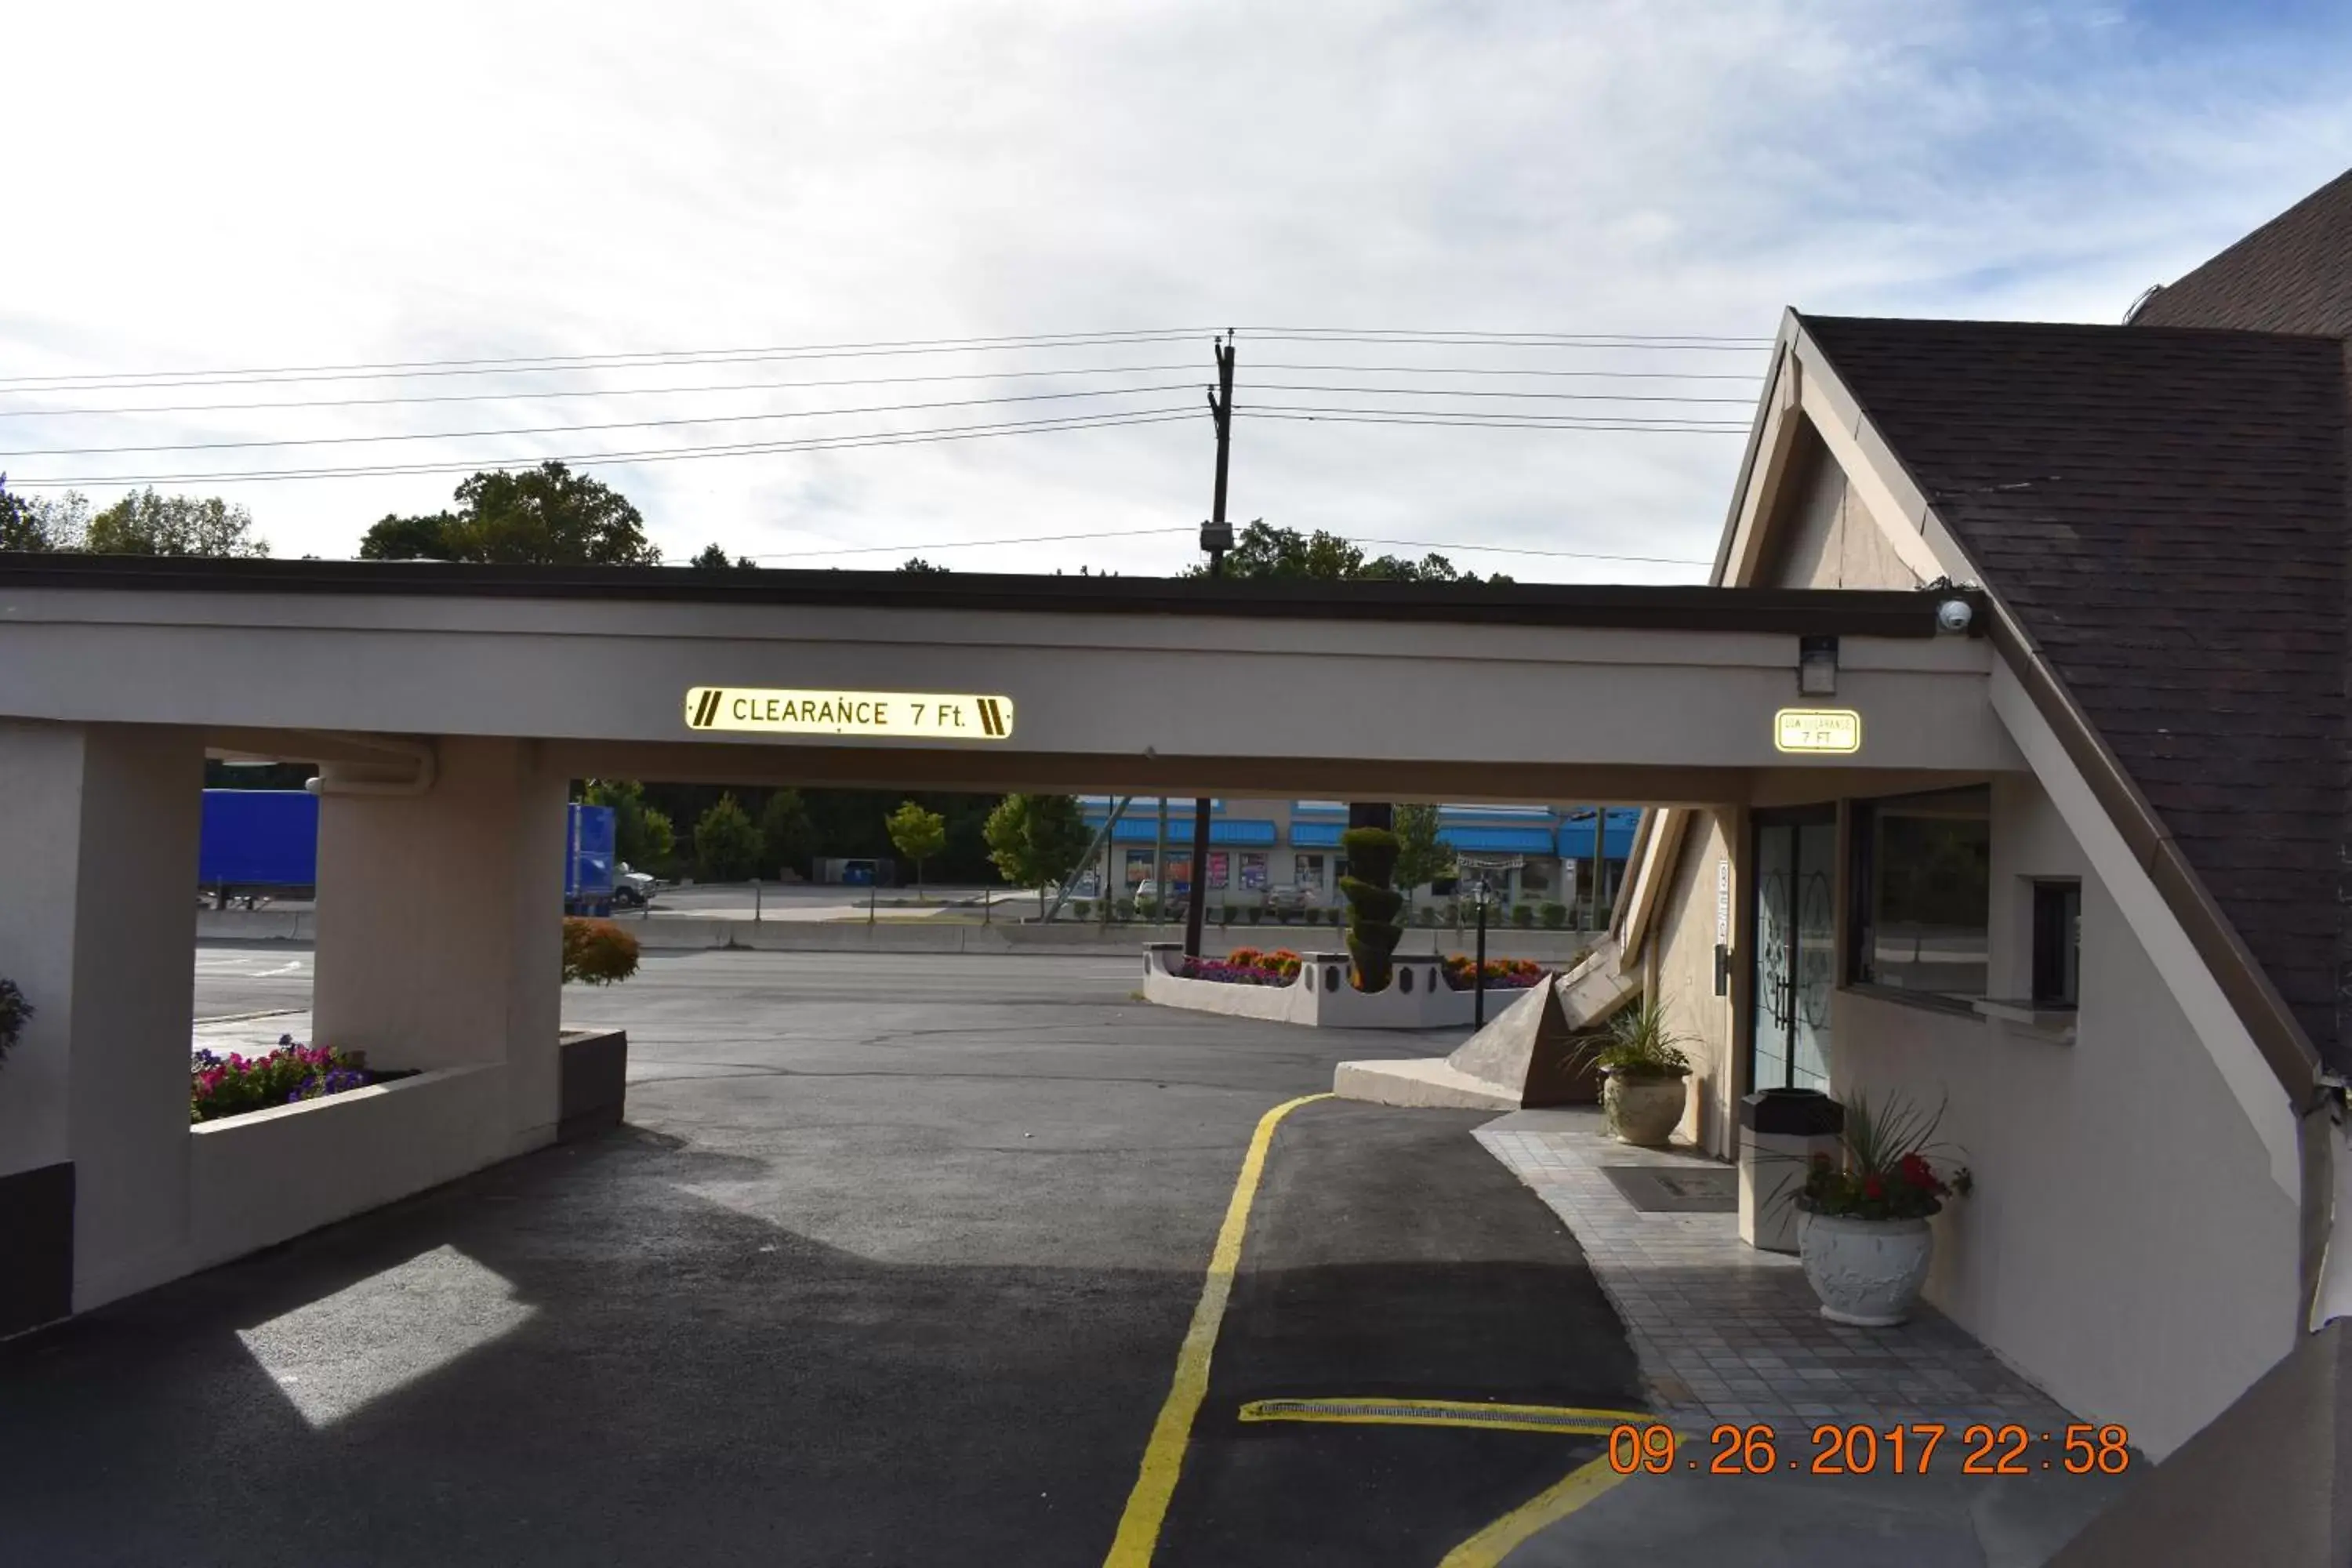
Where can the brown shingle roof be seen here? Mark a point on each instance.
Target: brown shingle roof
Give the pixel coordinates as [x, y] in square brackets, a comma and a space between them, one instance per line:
[2164, 511]
[2292, 275]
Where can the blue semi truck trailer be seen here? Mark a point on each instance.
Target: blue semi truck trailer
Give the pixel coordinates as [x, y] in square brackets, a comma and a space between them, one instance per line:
[264, 843]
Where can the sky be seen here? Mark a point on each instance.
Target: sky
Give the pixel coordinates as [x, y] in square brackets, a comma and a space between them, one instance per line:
[1370, 194]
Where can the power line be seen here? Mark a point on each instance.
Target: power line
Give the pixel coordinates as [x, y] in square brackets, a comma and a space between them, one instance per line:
[563, 363]
[658, 455]
[573, 430]
[600, 360]
[531, 396]
[801, 413]
[1475, 392]
[594, 391]
[1467, 422]
[745, 356]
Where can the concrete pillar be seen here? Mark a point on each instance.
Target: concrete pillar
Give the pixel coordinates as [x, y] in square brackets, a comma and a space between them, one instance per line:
[98, 930]
[440, 921]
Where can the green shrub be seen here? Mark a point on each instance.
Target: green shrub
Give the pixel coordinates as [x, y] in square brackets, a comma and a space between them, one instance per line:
[1123, 911]
[1082, 908]
[1555, 915]
[598, 951]
[1256, 914]
[1523, 915]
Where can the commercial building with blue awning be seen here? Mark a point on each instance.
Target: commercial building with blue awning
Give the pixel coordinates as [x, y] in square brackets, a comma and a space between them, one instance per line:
[1530, 853]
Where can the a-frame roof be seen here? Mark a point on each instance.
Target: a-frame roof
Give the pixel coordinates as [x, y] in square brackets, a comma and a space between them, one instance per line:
[2162, 512]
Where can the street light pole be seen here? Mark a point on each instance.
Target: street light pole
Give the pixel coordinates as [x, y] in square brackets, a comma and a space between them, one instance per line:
[1216, 538]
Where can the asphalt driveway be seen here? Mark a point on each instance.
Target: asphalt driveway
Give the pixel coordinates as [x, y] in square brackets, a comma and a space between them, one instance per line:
[891, 1265]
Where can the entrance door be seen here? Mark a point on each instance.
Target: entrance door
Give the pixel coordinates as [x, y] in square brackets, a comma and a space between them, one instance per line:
[1794, 944]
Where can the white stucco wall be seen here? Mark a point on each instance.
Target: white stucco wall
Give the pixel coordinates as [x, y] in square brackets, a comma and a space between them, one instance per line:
[1685, 977]
[2127, 1246]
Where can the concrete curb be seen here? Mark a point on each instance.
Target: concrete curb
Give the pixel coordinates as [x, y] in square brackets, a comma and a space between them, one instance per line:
[1422, 1082]
[660, 932]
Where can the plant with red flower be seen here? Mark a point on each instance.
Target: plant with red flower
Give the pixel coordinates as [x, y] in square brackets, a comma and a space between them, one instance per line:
[1886, 1167]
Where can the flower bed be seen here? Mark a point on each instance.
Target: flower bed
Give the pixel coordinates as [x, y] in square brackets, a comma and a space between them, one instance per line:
[1502, 974]
[235, 1084]
[1245, 966]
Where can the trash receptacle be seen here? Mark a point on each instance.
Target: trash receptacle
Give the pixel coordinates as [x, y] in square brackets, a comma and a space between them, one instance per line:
[1781, 1130]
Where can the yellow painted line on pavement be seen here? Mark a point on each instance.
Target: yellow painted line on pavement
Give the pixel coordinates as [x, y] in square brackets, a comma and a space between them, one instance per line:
[1568, 1420]
[1163, 1457]
[1499, 1540]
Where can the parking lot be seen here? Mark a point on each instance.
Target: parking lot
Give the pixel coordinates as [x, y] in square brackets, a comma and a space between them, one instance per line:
[892, 1263]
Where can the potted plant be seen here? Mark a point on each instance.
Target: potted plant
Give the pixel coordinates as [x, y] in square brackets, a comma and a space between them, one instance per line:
[1864, 1239]
[1642, 1074]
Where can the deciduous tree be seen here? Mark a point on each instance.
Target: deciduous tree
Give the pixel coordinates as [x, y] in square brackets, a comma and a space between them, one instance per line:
[1036, 840]
[917, 834]
[787, 837]
[726, 844]
[548, 516]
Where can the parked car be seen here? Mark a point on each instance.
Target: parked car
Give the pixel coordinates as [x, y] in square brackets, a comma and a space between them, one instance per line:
[1292, 900]
[1146, 891]
[632, 888]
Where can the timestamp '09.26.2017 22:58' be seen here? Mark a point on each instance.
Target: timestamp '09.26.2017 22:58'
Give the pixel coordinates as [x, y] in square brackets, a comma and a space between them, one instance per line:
[1830, 1449]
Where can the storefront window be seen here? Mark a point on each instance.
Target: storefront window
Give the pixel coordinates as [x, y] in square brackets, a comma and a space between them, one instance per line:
[1217, 869]
[1253, 871]
[1923, 892]
[1179, 873]
[1307, 870]
[1139, 868]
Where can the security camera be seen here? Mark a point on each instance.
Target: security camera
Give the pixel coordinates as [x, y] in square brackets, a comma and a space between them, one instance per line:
[1954, 615]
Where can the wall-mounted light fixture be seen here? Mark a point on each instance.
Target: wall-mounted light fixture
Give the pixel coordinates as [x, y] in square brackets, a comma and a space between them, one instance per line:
[1817, 665]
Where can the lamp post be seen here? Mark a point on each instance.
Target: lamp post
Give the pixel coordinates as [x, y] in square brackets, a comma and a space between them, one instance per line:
[1478, 970]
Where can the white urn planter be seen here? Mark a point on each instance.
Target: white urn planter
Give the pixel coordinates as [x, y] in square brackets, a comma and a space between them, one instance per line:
[1867, 1272]
[1643, 1109]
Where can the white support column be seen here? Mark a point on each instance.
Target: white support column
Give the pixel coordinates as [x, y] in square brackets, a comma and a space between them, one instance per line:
[99, 929]
[440, 935]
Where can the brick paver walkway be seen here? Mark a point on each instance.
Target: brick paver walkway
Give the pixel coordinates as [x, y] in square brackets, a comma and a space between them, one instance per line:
[1727, 1332]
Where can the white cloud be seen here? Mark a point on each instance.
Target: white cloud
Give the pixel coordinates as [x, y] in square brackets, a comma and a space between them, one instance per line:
[266, 185]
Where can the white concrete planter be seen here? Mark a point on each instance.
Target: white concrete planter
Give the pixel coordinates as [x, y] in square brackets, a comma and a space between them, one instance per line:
[1867, 1272]
[1417, 997]
[1643, 1112]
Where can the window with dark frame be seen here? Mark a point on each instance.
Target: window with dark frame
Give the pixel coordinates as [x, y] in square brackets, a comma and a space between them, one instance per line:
[1921, 891]
[2057, 943]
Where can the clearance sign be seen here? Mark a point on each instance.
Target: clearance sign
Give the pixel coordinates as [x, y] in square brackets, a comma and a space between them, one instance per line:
[927, 715]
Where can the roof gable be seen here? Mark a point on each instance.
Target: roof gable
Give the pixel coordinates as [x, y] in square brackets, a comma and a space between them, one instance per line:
[2163, 510]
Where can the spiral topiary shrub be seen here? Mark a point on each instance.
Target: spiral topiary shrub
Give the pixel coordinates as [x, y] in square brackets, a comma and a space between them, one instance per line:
[14, 1011]
[1374, 931]
[598, 951]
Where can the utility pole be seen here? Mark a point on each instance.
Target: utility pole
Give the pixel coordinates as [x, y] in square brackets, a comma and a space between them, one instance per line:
[1216, 538]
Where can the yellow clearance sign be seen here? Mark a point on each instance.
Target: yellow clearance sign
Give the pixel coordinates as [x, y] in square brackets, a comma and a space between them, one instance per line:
[1836, 731]
[929, 715]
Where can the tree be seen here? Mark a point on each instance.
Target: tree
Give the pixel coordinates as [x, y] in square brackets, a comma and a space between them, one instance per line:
[713, 557]
[726, 845]
[42, 524]
[917, 834]
[642, 835]
[146, 523]
[787, 837]
[1036, 840]
[548, 515]
[1285, 555]
[1421, 856]
[917, 564]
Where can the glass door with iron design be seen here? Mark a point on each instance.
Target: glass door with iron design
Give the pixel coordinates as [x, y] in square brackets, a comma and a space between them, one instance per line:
[1794, 946]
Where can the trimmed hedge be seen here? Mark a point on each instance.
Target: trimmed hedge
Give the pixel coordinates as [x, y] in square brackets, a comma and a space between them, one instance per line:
[1372, 905]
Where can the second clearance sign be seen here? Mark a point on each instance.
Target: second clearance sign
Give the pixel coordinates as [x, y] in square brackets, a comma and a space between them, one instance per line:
[929, 715]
